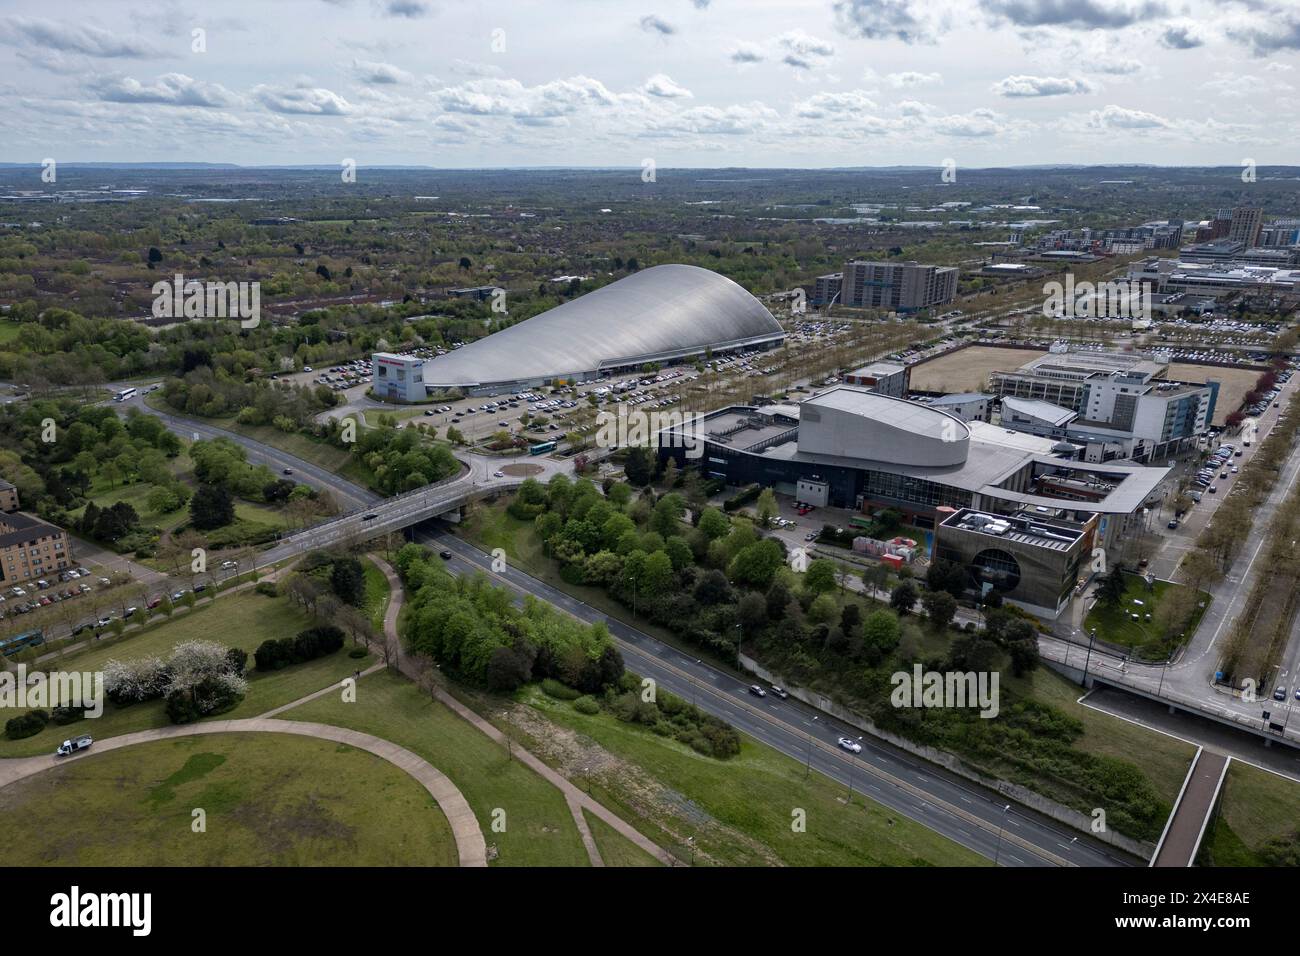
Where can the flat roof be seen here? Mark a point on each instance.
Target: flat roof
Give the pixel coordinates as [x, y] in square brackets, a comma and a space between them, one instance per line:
[1046, 411]
[880, 368]
[960, 398]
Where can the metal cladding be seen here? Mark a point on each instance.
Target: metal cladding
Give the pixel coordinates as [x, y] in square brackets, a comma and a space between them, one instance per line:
[861, 424]
[663, 312]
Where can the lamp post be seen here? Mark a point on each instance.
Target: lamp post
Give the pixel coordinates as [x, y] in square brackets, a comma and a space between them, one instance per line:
[997, 852]
[1092, 636]
[853, 766]
[808, 768]
[740, 636]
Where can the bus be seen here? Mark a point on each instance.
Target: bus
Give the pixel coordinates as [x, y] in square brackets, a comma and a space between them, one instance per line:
[20, 642]
[123, 395]
[541, 448]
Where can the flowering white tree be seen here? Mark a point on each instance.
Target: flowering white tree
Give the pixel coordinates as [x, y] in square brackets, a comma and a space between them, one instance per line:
[140, 679]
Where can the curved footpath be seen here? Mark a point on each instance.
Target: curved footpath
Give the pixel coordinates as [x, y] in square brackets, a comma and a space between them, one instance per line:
[470, 846]
[574, 797]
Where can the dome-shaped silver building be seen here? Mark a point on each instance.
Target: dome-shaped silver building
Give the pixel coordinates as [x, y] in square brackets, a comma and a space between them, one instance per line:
[660, 314]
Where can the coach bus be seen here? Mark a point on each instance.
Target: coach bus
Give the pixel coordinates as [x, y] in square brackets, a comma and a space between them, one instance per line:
[123, 395]
[10, 646]
[541, 448]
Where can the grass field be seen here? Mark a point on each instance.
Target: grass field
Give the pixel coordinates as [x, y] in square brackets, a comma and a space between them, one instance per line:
[269, 800]
[616, 849]
[741, 811]
[237, 620]
[968, 370]
[376, 594]
[539, 830]
[1256, 807]
[1163, 760]
[9, 331]
[1115, 623]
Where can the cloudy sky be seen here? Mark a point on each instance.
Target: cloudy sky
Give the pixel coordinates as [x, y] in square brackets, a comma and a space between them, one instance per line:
[683, 82]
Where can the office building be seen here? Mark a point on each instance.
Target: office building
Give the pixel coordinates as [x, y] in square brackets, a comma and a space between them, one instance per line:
[398, 378]
[887, 378]
[1245, 224]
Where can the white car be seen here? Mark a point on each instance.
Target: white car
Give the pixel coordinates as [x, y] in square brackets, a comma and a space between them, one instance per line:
[852, 746]
[498, 474]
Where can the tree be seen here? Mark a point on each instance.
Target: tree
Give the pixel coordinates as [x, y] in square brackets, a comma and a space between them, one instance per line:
[752, 613]
[903, 598]
[756, 564]
[940, 608]
[947, 576]
[1110, 588]
[211, 507]
[766, 507]
[348, 581]
[875, 576]
[820, 576]
[714, 523]
[881, 631]
[712, 588]
[823, 610]
[667, 515]
[640, 466]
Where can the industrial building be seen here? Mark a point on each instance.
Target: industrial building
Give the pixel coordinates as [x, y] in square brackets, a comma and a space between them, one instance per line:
[852, 448]
[1123, 404]
[662, 314]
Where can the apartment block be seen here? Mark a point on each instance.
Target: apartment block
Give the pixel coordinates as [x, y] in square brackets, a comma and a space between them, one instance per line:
[8, 496]
[905, 286]
[31, 548]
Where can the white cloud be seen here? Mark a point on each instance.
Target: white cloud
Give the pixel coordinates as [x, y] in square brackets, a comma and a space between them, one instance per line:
[170, 89]
[309, 101]
[1028, 86]
[662, 85]
[383, 73]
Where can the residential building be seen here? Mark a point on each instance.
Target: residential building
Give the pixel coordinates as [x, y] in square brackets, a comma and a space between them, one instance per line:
[1245, 225]
[8, 496]
[31, 548]
[903, 286]
[826, 289]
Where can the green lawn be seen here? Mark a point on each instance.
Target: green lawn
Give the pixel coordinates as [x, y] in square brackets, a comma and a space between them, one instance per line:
[9, 330]
[539, 830]
[238, 620]
[1115, 623]
[1256, 807]
[1163, 760]
[376, 594]
[616, 849]
[741, 811]
[269, 800]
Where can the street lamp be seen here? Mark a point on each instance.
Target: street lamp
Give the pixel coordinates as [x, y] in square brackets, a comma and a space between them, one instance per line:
[853, 765]
[740, 636]
[1092, 636]
[1002, 824]
[808, 768]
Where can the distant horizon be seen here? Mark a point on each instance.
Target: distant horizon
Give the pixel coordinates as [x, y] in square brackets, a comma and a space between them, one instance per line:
[199, 164]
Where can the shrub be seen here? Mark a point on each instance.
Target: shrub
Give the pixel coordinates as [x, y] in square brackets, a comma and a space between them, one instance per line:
[266, 588]
[357, 653]
[742, 498]
[277, 653]
[586, 705]
[68, 715]
[553, 688]
[26, 725]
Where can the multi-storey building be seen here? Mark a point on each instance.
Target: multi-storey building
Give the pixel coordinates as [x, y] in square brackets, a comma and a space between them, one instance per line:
[1124, 405]
[1245, 225]
[8, 496]
[31, 548]
[905, 286]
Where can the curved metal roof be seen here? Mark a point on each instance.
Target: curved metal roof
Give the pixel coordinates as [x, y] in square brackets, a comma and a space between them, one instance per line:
[660, 312]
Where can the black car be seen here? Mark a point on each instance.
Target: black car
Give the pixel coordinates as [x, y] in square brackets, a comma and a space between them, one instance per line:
[287, 471]
[200, 588]
[445, 555]
[370, 517]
